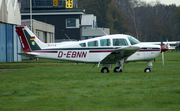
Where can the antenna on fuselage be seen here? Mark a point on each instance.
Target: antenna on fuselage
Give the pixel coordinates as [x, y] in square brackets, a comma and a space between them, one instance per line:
[103, 31]
[68, 37]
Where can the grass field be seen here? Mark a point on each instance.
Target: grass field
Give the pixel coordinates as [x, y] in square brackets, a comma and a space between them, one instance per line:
[64, 86]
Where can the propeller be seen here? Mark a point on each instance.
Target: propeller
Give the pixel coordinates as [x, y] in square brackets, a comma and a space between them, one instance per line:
[167, 44]
[163, 49]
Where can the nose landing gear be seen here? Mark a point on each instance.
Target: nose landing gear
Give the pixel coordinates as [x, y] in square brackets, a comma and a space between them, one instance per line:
[149, 63]
[147, 70]
[117, 69]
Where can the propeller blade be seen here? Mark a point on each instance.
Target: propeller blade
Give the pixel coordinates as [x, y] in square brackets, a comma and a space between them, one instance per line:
[162, 43]
[163, 49]
[163, 58]
[168, 46]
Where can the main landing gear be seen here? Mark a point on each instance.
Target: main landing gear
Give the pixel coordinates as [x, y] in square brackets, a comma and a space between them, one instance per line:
[119, 64]
[106, 70]
[149, 63]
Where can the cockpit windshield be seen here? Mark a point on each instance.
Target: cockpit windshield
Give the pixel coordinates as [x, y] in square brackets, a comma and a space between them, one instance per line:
[133, 40]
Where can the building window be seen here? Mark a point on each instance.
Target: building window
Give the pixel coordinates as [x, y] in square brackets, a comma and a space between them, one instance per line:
[37, 33]
[50, 38]
[72, 23]
[45, 36]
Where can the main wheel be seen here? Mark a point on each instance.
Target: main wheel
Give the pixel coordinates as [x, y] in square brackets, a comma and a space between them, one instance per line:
[147, 70]
[104, 70]
[116, 69]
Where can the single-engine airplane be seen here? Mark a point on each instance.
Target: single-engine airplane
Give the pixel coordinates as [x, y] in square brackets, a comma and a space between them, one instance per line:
[107, 50]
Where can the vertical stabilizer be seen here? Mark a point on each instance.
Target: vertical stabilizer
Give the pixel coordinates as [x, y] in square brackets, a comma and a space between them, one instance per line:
[28, 39]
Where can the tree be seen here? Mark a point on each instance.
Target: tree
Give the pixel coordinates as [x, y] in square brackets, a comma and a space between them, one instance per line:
[149, 21]
[146, 21]
[108, 15]
[117, 19]
[176, 18]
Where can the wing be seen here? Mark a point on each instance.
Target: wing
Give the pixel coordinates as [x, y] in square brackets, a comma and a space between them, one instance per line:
[120, 54]
[29, 54]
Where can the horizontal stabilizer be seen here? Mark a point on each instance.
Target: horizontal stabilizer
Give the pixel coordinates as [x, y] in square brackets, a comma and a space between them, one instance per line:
[29, 54]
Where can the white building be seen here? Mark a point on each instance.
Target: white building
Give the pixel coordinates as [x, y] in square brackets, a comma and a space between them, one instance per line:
[89, 27]
[45, 32]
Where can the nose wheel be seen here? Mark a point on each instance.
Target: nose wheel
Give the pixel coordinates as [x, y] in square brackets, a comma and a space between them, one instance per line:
[149, 63]
[147, 70]
[117, 69]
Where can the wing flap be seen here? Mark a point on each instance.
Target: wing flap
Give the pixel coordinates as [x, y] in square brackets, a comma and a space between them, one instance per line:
[120, 54]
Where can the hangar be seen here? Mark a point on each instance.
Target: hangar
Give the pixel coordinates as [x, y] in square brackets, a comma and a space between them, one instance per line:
[9, 44]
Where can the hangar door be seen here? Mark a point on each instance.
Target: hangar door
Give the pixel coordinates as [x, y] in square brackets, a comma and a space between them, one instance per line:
[9, 44]
[2, 42]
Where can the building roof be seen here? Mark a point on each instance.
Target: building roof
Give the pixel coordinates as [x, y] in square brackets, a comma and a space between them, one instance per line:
[95, 32]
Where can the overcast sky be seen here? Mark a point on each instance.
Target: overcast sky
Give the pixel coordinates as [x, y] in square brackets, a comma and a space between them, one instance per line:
[177, 2]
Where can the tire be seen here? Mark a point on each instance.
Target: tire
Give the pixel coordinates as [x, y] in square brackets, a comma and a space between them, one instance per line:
[116, 69]
[104, 70]
[147, 70]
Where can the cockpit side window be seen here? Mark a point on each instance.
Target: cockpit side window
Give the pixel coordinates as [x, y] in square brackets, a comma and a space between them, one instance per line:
[105, 42]
[120, 42]
[133, 40]
[82, 44]
[93, 44]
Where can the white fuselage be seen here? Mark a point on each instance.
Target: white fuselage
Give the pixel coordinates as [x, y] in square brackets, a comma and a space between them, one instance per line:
[96, 49]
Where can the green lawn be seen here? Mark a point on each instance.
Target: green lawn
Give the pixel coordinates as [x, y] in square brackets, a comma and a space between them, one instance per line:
[64, 86]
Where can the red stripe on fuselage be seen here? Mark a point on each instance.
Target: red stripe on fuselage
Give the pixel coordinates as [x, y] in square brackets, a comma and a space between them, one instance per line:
[23, 40]
[98, 51]
[95, 51]
[147, 50]
[46, 51]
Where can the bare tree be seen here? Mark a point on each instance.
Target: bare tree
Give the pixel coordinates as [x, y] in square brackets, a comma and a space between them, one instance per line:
[149, 21]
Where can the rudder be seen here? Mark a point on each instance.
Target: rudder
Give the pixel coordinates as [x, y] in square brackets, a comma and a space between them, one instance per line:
[22, 39]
